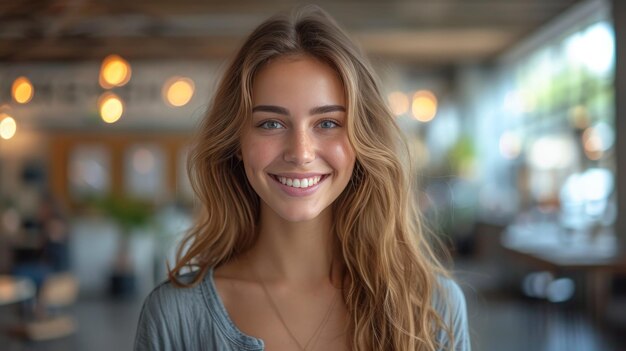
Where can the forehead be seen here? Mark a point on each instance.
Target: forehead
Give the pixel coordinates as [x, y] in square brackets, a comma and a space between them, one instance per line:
[297, 80]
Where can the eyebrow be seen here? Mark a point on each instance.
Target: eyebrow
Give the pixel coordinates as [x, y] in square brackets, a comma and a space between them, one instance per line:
[283, 111]
[271, 108]
[326, 109]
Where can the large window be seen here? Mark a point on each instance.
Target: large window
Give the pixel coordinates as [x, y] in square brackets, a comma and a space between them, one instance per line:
[554, 116]
[145, 167]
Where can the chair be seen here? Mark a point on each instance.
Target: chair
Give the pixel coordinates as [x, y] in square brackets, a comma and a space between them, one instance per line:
[58, 291]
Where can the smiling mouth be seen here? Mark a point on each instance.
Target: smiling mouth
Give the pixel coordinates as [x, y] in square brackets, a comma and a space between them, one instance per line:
[301, 183]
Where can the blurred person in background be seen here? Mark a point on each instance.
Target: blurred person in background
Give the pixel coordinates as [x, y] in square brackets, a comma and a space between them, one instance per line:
[308, 238]
[50, 253]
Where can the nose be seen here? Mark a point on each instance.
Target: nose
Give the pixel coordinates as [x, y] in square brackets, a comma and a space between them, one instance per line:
[300, 149]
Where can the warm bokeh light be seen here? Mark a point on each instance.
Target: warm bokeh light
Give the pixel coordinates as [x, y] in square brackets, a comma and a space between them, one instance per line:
[114, 72]
[579, 117]
[8, 127]
[177, 91]
[22, 90]
[111, 107]
[598, 139]
[424, 106]
[592, 145]
[398, 102]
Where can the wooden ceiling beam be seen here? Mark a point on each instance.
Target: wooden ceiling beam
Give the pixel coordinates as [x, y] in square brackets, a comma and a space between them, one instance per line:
[417, 31]
[77, 49]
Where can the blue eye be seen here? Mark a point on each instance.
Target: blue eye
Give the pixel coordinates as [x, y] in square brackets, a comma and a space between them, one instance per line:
[328, 124]
[270, 125]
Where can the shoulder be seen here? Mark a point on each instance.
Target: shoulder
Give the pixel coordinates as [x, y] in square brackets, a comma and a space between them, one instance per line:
[449, 302]
[448, 296]
[165, 313]
[166, 296]
[188, 318]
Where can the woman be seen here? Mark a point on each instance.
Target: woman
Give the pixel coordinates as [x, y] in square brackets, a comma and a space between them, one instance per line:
[308, 238]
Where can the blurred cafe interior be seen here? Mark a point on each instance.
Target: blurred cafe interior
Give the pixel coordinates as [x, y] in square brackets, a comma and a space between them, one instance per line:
[512, 108]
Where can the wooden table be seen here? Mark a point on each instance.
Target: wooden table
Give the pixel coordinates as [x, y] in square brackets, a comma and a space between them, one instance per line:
[15, 289]
[598, 260]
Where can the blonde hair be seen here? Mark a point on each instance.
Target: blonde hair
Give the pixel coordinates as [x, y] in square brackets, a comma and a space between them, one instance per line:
[391, 270]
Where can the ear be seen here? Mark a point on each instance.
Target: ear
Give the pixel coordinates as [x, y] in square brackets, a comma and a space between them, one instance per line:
[238, 155]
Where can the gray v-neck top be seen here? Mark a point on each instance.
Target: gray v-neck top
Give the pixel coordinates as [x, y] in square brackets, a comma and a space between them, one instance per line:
[195, 319]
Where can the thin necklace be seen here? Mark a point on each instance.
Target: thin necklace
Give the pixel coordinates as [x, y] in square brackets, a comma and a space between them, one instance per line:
[282, 321]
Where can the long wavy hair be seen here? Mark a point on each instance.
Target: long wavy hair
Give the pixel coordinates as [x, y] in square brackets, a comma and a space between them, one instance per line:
[391, 271]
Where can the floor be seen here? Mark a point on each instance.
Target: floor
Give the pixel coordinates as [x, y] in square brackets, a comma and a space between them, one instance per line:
[498, 322]
[512, 325]
[103, 324]
[506, 320]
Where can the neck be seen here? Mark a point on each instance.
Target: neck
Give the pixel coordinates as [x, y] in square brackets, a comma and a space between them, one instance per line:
[298, 253]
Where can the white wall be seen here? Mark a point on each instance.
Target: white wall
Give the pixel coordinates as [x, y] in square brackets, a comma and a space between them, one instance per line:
[93, 250]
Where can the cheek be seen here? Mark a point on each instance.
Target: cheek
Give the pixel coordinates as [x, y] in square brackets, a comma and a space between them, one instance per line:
[257, 154]
[343, 156]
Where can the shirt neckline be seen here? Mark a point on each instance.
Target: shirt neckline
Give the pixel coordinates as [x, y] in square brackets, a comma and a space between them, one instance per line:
[226, 324]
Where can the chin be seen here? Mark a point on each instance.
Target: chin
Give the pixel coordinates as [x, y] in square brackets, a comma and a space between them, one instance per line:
[295, 215]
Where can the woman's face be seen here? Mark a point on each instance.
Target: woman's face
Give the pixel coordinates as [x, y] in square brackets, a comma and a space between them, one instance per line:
[295, 149]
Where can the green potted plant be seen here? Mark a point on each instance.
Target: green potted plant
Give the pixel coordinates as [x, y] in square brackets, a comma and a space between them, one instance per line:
[131, 215]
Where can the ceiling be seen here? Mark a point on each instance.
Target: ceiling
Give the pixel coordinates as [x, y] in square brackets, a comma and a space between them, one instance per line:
[426, 32]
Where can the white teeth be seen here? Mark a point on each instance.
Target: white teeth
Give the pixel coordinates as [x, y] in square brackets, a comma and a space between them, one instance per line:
[299, 183]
